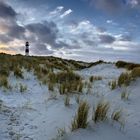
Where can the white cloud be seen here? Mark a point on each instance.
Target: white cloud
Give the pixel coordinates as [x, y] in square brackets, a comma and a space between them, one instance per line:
[57, 10]
[109, 21]
[66, 13]
[133, 3]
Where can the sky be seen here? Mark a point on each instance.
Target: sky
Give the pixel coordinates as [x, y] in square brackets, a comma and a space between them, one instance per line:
[86, 30]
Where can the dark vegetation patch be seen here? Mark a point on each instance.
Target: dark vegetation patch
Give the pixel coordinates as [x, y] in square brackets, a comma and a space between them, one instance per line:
[127, 65]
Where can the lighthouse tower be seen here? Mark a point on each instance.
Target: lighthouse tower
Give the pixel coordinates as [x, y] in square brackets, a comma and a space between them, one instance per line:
[27, 48]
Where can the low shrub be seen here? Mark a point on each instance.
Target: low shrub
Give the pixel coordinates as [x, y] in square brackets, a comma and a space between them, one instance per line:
[77, 98]
[80, 120]
[51, 86]
[124, 79]
[67, 76]
[4, 70]
[116, 115]
[124, 95]
[4, 81]
[67, 100]
[91, 79]
[101, 111]
[23, 88]
[18, 72]
[68, 82]
[1, 104]
[127, 65]
[95, 78]
[113, 84]
[135, 72]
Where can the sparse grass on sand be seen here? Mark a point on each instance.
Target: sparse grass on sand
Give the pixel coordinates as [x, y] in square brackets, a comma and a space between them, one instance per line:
[126, 78]
[113, 84]
[67, 100]
[67, 81]
[18, 72]
[95, 78]
[135, 72]
[127, 65]
[80, 119]
[4, 81]
[125, 95]
[101, 111]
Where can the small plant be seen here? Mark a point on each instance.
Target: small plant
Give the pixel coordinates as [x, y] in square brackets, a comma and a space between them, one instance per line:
[113, 84]
[53, 96]
[127, 65]
[89, 88]
[68, 81]
[62, 89]
[116, 115]
[4, 82]
[135, 72]
[95, 78]
[4, 70]
[67, 100]
[44, 81]
[124, 95]
[18, 72]
[80, 120]
[60, 134]
[52, 77]
[101, 111]
[91, 79]
[77, 98]
[51, 86]
[1, 104]
[80, 87]
[28, 105]
[124, 79]
[85, 84]
[23, 88]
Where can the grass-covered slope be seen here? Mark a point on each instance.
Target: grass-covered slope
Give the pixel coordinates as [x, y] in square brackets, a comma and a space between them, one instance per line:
[48, 98]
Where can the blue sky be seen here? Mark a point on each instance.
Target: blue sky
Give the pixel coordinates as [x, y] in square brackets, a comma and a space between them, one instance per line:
[86, 30]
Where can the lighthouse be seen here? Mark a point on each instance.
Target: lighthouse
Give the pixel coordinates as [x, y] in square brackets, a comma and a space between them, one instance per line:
[27, 48]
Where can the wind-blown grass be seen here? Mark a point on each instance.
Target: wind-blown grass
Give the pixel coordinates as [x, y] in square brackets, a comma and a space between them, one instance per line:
[67, 100]
[124, 79]
[135, 72]
[101, 112]
[113, 84]
[4, 81]
[80, 120]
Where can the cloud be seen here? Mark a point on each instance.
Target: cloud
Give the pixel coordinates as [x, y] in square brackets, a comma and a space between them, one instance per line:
[56, 11]
[16, 31]
[115, 6]
[5, 38]
[40, 49]
[66, 13]
[107, 39]
[50, 33]
[41, 34]
[134, 3]
[122, 37]
[109, 21]
[7, 11]
[108, 5]
[45, 32]
[9, 29]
